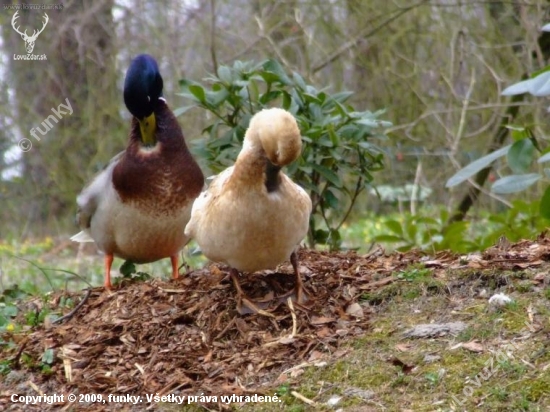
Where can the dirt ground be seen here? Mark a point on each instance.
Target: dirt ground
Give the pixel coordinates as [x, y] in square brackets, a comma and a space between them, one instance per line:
[185, 337]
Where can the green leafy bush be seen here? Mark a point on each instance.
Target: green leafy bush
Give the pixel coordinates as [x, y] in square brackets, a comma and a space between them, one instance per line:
[339, 152]
[429, 229]
[522, 152]
[520, 156]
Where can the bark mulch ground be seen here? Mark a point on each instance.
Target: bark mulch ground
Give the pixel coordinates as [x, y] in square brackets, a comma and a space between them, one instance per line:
[185, 337]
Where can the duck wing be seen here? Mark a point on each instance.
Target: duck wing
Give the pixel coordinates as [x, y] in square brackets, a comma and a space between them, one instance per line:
[202, 203]
[90, 197]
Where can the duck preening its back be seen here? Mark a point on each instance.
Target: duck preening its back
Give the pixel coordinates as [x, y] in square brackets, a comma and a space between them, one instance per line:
[253, 216]
[137, 207]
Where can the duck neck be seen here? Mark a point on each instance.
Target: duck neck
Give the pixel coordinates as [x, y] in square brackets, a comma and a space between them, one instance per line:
[254, 169]
[168, 133]
[272, 176]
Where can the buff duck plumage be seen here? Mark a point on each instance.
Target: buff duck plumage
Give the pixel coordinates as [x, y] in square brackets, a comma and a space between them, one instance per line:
[137, 207]
[252, 216]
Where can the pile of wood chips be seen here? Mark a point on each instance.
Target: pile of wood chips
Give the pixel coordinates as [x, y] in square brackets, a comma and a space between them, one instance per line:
[185, 337]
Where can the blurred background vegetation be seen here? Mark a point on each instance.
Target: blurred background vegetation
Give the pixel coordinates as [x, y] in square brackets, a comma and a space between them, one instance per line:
[436, 67]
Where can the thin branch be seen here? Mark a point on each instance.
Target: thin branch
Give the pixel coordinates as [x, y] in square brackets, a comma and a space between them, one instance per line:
[353, 199]
[365, 33]
[443, 111]
[464, 111]
[416, 185]
[77, 307]
[22, 346]
[319, 196]
[213, 35]
[274, 45]
[325, 219]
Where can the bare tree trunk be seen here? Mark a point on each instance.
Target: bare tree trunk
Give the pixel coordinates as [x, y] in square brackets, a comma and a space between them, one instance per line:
[79, 72]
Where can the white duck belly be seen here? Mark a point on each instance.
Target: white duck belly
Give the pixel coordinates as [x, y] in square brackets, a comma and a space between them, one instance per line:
[129, 233]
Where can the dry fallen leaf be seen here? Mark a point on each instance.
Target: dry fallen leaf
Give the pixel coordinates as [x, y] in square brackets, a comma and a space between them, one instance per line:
[320, 320]
[323, 332]
[315, 355]
[473, 346]
[355, 310]
[404, 367]
[540, 277]
[404, 347]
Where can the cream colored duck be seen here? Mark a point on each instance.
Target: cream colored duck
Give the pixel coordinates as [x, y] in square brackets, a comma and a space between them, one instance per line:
[253, 216]
[137, 207]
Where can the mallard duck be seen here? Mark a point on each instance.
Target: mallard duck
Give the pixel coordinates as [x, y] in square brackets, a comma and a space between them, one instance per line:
[252, 216]
[137, 207]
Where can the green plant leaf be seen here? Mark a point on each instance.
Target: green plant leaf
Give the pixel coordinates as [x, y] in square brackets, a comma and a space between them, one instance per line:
[519, 134]
[544, 158]
[48, 356]
[216, 98]
[521, 87]
[520, 155]
[330, 199]
[514, 127]
[224, 73]
[185, 83]
[181, 110]
[9, 311]
[299, 80]
[537, 86]
[127, 269]
[541, 85]
[275, 68]
[268, 97]
[477, 165]
[544, 207]
[328, 175]
[198, 92]
[341, 97]
[222, 141]
[411, 227]
[369, 122]
[388, 238]
[515, 183]
[395, 227]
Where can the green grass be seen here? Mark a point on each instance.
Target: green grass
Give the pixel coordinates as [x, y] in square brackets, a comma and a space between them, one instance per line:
[35, 269]
[511, 374]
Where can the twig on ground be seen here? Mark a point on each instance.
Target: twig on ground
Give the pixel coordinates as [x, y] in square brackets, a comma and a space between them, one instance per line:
[298, 395]
[15, 359]
[293, 314]
[77, 307]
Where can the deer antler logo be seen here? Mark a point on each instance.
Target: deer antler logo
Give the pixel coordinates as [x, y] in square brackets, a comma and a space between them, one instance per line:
[29, 40]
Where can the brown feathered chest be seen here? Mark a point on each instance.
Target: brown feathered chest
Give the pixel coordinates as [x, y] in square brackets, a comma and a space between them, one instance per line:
[160, 179]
